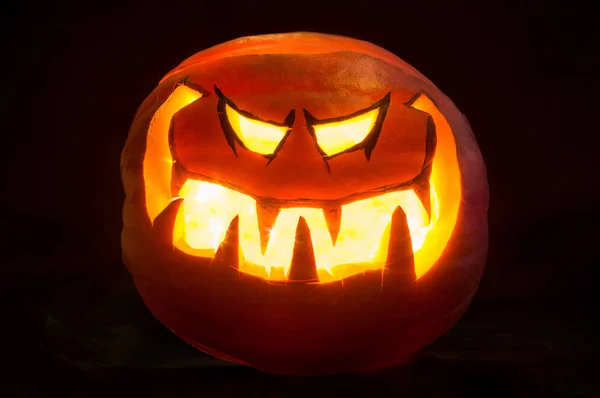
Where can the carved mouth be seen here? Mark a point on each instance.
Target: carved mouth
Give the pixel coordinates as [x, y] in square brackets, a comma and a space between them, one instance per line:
[305, 234]
[327, 243]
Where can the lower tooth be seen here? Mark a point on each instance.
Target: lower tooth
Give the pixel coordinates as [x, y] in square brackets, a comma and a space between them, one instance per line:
[400, 264]
[303, 267]
[164, 224]
[228, 252]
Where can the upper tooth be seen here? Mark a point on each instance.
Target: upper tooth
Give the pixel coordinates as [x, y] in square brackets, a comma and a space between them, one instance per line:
[333, 217]
[422, 190]
[178, 178]
[266, 216]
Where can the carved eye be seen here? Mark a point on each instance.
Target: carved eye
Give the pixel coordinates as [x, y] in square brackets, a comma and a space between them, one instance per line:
[359, 130]
[257, 136]
[264, 137]
[336, 137]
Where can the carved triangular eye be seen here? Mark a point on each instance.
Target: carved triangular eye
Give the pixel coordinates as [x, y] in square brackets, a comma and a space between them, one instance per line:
[359, 130]
[264, 137]
[336, 137]
[257, 136]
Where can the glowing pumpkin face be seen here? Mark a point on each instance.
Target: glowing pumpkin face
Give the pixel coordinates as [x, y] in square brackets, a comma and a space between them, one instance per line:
[298, 162]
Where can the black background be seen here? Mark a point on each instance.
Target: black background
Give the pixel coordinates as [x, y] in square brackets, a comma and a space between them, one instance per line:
[524, 73]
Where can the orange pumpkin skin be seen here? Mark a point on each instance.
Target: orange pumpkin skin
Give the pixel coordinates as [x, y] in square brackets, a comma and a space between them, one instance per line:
[363, 322]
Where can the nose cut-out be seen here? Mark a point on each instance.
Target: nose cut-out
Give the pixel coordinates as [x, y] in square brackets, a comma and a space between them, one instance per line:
[300, 151]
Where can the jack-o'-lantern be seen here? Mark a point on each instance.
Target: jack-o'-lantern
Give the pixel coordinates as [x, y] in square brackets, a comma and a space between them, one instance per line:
[303, 204]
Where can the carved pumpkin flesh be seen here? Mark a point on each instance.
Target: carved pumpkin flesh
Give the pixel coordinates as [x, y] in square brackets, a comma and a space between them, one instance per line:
[296, 181]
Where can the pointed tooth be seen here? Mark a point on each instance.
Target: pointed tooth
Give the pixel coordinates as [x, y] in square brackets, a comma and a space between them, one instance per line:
[430, 143]
[178, 177]
[422, 189]
[400, 263]
[164, 223]
[228, 252]
[304, 267]
[267, 215]
[333, 217]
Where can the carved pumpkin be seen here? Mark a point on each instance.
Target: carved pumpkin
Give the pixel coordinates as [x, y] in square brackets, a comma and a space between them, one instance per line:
[304, 204]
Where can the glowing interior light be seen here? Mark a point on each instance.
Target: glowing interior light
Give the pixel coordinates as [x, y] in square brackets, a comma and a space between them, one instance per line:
[336, 137]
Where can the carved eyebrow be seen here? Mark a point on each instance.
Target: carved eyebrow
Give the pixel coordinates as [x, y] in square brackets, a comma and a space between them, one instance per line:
[223, 100]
